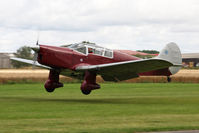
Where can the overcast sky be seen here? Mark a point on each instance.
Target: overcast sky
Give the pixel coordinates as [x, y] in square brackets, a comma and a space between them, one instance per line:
[116, 24]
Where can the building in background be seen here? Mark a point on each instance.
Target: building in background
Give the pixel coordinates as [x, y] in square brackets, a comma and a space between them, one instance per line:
[190, 59]
[5, 61]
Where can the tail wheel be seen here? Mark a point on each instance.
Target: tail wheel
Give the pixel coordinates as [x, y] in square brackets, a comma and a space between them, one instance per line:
[50, 89]
[86, 92]
[169, 79]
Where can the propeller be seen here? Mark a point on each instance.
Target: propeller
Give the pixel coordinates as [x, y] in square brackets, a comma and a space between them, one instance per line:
[36, 51]
[37, 43]
[34, 60]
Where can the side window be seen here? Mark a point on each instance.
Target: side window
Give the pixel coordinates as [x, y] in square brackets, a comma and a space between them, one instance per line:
[81, 50]
[108, 53]
[101, 51]
[98, 51]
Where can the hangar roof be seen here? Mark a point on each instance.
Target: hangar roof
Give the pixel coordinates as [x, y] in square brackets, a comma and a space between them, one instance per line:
[190, 55]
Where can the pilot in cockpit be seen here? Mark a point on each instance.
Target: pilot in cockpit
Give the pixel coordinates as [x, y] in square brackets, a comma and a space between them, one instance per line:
[90, 51]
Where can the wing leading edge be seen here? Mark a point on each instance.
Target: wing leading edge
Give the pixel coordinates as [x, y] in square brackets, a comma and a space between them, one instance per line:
[31, 62]
[125, 70]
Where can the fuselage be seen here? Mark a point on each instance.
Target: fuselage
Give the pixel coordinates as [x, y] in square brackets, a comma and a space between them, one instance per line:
[68, 58]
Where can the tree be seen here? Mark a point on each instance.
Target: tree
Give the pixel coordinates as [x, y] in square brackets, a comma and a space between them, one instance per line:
[25, 53]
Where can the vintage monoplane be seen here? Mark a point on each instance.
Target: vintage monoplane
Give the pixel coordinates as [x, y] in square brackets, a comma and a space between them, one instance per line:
[87, 60]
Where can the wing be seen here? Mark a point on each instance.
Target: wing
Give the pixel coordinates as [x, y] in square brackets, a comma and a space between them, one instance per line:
[65, 72]
[125, 70]
[30, 62]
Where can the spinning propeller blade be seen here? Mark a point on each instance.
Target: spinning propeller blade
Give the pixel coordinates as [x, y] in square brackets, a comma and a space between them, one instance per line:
[36, 50]
[37, 43]
[35, 60]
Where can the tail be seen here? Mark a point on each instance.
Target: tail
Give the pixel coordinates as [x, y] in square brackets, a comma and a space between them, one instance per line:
[171, 52]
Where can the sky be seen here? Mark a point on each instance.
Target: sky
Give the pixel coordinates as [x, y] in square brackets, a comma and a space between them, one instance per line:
[115, 24]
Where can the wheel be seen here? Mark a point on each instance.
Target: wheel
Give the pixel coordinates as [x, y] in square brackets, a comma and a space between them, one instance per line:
[50, 89]
[86, 92]
[169, 79]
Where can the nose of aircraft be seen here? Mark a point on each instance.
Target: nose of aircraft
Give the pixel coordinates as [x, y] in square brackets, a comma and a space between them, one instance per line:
[35, 57]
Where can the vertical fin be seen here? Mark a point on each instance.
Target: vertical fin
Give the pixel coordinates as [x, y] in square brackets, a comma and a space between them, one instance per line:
[171, 52]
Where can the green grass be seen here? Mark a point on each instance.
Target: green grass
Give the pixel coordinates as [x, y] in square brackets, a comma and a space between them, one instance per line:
[115, 108]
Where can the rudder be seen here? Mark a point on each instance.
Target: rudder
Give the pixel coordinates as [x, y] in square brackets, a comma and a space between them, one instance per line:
[171, 52]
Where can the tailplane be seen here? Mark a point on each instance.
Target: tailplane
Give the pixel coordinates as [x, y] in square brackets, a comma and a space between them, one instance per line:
[171, 52]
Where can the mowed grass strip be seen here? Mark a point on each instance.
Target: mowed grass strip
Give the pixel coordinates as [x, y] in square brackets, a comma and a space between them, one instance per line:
[115, 108]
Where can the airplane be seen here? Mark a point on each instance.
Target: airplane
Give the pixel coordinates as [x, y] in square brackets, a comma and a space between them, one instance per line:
[86, 60]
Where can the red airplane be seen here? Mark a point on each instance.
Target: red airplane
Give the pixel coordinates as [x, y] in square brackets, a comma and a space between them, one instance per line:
[87, 60]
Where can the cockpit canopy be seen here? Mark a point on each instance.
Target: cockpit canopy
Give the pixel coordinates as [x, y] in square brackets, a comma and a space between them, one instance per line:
[91, 48]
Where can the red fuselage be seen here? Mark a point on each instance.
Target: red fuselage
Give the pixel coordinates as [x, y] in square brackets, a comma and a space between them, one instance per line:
[63, 57]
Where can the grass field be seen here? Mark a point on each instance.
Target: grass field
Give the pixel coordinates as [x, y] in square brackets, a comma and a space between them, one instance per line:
[116, 108]
[41, 75]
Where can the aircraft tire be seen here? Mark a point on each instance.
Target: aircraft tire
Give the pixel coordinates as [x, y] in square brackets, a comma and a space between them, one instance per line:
[50, 89]
[86, 92]
[169, 79]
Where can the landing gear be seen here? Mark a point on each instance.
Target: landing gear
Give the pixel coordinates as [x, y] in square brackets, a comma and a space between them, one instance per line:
[50, 89]
[89, 83]
[86, 92]
[53, 81]
[169, 79]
